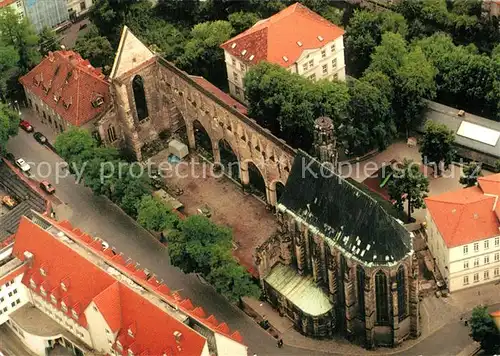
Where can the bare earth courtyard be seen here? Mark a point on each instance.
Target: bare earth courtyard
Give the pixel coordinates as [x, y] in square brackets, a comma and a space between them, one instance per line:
[248, 217]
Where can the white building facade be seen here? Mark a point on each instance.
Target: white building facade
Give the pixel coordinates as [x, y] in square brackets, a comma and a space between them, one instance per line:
[296, 39]
[77, 8]
[463, 230]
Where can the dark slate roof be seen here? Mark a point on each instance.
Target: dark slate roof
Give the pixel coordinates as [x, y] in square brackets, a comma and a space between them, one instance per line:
[449, 116]
[347, 216]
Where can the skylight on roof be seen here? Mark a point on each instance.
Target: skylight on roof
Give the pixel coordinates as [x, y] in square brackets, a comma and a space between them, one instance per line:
[243, 52]
[320, 38]
[251, 57]
[285, 58]
[233, 45]
[478, 133]
[299, 43]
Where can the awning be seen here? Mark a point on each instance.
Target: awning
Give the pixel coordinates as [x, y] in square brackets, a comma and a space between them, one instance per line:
[299, 290]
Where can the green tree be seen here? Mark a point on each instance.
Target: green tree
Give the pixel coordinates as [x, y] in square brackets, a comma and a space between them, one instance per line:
[333, 14]
[179, 11]
[75, 145]
[18, 33]
[233, 281]
[364, 33]
[9, 69]
[471, 172]
[154, 215]
[414, 82]
[97, 49]
[408, 185]
[371, 123]
[197, 243]
[388, 56]
[484, 330]
[202, 54]
[242, 20]
[9, 124]
[200, 246]
[437, 146]
[48, 41]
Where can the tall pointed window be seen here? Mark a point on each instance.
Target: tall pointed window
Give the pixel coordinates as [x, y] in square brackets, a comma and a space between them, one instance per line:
[381, 296]
[400, 278]
[360, 277]
[140, 98]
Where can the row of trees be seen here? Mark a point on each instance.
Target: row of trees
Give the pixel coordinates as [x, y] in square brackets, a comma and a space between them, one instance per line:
[196, 245]
[466, 76]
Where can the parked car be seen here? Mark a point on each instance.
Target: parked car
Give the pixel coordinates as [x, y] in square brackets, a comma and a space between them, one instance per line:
[21, 163]
[40, 138]
[26, 126]
[47, 187]
[8, 201]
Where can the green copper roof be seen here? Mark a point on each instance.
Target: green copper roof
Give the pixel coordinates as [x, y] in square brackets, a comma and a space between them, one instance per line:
[299, 290]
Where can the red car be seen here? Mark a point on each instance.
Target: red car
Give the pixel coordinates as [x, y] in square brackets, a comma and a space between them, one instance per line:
[47, 187]
[26, 126]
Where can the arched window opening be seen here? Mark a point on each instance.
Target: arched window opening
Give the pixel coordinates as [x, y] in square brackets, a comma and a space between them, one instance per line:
[111, 134]
[229, 160]
[360, 277]
[202, 140]
[257, 183]
[280, 188]
[381, 296]
[140, 98]
[400, 278]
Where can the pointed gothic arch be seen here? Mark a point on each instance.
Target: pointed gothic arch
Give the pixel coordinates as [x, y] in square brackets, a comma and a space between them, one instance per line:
[141, 105]
[401, 285]
[382, 298]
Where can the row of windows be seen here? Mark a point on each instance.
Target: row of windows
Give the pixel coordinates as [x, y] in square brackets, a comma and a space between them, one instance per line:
[243, 67]
[486, 260]
[486, 245]
[13, 304]
[8, 284]
[332, 50]
[11, 293]
[486, 276]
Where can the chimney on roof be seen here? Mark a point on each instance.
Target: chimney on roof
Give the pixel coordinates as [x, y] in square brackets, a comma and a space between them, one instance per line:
[178, 336]
[28, 258]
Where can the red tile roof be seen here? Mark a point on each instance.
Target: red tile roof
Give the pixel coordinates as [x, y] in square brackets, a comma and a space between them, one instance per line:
[73, 80]
[120, 305]
[467, 215]
[277, 36]
[220, 94]
[5, 3]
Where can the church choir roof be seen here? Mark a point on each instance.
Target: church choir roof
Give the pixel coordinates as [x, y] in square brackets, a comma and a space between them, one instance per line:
[346, 216]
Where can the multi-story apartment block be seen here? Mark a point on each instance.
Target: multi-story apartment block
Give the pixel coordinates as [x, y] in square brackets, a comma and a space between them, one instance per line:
[463, 229]
[16, 5]
[295, 38]
[46, 13]
[59, 286]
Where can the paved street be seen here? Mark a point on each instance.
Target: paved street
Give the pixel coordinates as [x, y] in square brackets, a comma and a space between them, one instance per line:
[10, 345]
[99, 217]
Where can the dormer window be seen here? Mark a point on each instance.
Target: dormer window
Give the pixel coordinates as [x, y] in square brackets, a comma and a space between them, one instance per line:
[74, 314]
[43, 272]
[97, 102]
[64, 307]
[130, 332]
[36, 81]
[53, 299]
[119, 346]
[32, 284]
[130, 352]
[46, 87]
[56, 98]
[42, 291]
[64, 287]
